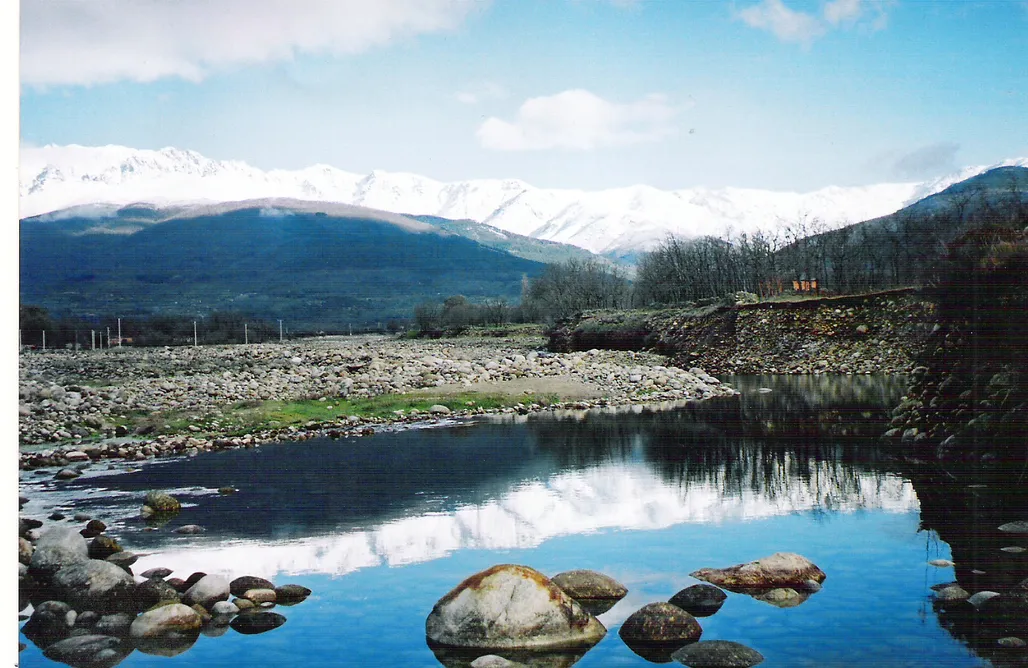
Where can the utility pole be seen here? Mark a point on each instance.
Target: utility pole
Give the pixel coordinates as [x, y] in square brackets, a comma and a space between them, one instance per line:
[44, 340]
[119, 332]
[108, 338]
[280, 331]
[92, 339]
[246, 334]
[194, 333]
[19, 341]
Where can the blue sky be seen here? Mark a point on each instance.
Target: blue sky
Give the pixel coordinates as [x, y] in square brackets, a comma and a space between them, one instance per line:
[779, 94]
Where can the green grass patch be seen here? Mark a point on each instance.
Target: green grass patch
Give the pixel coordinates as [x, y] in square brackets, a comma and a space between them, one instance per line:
[249, 416]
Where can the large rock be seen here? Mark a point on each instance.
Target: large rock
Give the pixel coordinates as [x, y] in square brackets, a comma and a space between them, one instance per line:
[117, 624]
[717, 654]
[102, 547]
[95, 585]
[699, 600]
[290, 594]
[781, 569]
[168, 621]
[162, 503]
[24, 551]
[56, 548]
[251, 623]
[240, 585]
[89, 651]
[152, 591]
[510, 607]
[207, 591]
[50, 622]
[660, 624]
[586, 584]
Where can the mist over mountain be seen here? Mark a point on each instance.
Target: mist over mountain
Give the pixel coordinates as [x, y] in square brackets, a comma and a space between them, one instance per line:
[617, 222]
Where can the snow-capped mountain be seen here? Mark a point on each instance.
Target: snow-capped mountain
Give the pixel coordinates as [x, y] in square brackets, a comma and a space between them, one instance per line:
[619, 220]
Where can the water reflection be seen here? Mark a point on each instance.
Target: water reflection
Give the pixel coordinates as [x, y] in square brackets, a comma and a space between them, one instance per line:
[395, 498]
[966, 510]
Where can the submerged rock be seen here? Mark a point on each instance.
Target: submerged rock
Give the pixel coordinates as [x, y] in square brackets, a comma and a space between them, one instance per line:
[1020, 526]
[699, 600]
[291, 594]
[782, 569]
[951, 593]
[981, 597]
[251, 623]
[586, 584]
[717, 654]
[161, 502]
[660, 623]
[782, 597]
[510, 607]
[89, 651]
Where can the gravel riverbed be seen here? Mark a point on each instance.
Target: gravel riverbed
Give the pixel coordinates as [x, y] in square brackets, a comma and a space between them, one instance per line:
[73, 405]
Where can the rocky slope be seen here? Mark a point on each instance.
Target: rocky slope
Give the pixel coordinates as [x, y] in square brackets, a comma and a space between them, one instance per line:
[878, 333]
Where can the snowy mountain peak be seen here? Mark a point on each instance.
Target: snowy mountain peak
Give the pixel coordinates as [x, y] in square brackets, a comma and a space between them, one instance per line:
[618, 220]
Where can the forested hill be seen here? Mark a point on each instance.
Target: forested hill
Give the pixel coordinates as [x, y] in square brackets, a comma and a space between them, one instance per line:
[905, 248]
[315, 269]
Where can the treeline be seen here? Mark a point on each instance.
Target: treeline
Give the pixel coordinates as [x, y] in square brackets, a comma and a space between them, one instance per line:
[904, 249]
[158, 330]
[559, 291]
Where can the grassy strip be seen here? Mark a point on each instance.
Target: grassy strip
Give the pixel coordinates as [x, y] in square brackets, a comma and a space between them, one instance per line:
[249, 416]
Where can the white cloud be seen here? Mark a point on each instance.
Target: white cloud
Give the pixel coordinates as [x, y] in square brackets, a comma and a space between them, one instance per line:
[790, 25]
[579, 120]
[786, 24]
[481, 93]
[843, 11]
[99, 41]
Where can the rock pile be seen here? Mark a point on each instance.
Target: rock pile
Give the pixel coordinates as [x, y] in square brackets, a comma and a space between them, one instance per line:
[92, 612]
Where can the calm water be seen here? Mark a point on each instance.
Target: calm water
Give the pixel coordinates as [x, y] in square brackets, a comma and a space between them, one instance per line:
[381, 527]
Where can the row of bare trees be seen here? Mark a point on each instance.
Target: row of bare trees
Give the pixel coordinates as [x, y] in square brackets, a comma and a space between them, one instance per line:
[900, 250]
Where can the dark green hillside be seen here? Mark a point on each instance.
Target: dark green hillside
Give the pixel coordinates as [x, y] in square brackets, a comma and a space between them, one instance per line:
[538, 250]
[312, 269]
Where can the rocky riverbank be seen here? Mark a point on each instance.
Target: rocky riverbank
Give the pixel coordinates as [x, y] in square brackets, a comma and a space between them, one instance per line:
[136, 403]
[863, 334]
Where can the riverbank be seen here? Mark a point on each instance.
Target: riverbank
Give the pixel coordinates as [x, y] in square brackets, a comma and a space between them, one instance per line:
[136, 403]
[859, 334]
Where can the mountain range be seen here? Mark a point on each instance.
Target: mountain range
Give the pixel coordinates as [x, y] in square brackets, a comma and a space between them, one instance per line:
[616, 222]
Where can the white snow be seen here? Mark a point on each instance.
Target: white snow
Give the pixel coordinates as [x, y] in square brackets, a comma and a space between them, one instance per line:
[633, 218]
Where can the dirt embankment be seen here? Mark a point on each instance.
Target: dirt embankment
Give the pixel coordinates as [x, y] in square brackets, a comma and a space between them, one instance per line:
[878, 333]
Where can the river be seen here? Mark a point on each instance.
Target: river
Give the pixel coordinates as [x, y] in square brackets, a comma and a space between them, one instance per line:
[380, 527]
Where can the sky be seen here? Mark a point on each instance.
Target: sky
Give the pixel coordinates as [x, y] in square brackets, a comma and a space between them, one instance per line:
[587, 94]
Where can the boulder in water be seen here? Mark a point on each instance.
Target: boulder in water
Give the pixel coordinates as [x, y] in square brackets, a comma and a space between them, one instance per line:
[168, 621]
[95, 585]
[511, 607]
[717, 654]
[781, 569]
[699, 600]
[586, 584]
